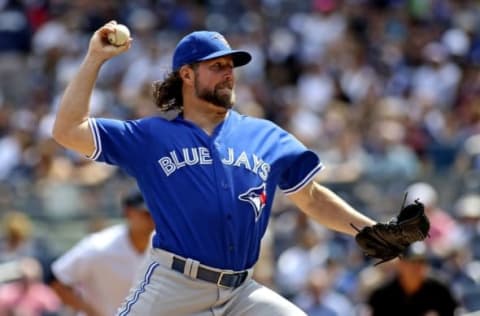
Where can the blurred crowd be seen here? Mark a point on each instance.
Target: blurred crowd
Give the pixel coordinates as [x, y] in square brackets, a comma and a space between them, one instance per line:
[386, 91]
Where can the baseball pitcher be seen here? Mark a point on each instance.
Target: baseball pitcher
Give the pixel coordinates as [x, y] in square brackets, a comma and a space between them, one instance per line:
[209, 177]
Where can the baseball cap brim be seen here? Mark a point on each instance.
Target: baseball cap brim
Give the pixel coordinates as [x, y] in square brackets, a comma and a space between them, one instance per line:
[239, 57]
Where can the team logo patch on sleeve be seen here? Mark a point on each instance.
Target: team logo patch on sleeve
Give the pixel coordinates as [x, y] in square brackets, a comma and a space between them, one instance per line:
[257, 198]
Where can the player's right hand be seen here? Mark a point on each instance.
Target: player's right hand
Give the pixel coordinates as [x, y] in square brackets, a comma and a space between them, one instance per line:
[100, 48]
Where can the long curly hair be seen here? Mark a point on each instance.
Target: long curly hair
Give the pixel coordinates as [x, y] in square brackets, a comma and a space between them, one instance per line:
[167, 94]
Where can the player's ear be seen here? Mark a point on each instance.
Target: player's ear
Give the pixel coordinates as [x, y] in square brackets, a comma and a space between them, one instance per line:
[187, 74]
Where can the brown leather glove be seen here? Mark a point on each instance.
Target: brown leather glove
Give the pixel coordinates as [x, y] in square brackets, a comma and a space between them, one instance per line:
[386, 241]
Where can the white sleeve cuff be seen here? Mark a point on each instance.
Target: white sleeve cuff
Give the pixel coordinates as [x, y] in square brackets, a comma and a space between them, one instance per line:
[96, 139]
[304, 181]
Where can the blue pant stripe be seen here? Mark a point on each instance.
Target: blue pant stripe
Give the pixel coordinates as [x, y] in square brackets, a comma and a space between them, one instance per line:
[140, 289]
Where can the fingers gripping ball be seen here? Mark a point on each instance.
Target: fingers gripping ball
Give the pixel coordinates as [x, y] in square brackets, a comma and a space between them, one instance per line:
[387, 241]
[119, 36]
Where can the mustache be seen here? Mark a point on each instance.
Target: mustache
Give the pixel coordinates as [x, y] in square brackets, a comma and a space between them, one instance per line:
[226, 84]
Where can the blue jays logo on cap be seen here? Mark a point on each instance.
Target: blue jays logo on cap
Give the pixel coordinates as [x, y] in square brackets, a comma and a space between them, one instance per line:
[257, 198]
[220, 37]
[205, 45]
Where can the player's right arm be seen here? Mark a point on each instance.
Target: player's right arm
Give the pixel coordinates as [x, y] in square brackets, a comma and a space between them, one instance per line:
[72, 298]
[71, 128]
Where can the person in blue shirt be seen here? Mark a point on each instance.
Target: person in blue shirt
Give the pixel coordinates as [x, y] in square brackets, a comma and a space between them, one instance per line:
[208, 177]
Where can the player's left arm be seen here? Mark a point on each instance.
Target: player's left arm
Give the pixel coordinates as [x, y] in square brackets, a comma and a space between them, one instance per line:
[328, 209]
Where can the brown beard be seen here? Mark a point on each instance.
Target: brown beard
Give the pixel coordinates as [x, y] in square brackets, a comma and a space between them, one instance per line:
[223, 100]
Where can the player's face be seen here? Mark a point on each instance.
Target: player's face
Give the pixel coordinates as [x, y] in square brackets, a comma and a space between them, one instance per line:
[214, 82]
[140, 220]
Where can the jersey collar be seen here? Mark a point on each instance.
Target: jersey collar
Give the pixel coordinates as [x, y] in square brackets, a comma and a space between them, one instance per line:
[222, 125]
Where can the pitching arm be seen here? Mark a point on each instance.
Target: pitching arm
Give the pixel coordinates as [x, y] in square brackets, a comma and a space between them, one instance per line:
[71, 128]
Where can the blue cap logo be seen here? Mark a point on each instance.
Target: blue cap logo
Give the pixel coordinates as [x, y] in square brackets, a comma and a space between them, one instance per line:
[205, 45]
[220, 37]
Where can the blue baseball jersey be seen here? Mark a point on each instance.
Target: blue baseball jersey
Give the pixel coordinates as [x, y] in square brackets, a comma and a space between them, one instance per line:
[210, 195]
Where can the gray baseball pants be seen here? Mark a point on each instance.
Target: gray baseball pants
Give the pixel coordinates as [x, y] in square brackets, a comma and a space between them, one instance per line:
[161, 291]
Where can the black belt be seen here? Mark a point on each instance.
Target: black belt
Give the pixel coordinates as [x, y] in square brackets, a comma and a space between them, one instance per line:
[224, 279]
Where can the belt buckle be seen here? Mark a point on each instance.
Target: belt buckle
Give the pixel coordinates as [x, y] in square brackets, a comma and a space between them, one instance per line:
[219, 284]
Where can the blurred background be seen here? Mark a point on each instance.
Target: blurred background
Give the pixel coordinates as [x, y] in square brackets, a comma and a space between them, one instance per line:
[387, 92]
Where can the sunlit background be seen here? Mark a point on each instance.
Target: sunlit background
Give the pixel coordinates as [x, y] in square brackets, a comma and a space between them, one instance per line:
[387, 93]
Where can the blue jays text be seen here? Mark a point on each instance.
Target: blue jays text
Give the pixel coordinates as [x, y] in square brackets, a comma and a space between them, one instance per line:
[201, 155]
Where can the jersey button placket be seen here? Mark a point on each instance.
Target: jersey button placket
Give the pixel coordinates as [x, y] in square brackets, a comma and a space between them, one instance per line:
[216, 151]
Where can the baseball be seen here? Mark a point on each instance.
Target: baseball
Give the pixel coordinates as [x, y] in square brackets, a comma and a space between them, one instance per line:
[120, 35]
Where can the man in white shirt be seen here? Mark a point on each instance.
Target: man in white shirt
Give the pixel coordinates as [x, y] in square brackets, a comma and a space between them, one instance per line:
[95, 275]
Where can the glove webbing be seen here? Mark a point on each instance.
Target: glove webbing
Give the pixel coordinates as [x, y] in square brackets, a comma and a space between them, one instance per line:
[385, 243]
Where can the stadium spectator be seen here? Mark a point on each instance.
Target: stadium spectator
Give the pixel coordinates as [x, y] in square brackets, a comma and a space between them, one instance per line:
[321, 298]
[324, 70]
[95, 275]
[445, 233]
[18, 241]
[28, 296]
[413, 291]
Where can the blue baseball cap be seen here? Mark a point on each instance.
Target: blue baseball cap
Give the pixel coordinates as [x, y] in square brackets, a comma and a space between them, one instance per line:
[205, 45]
